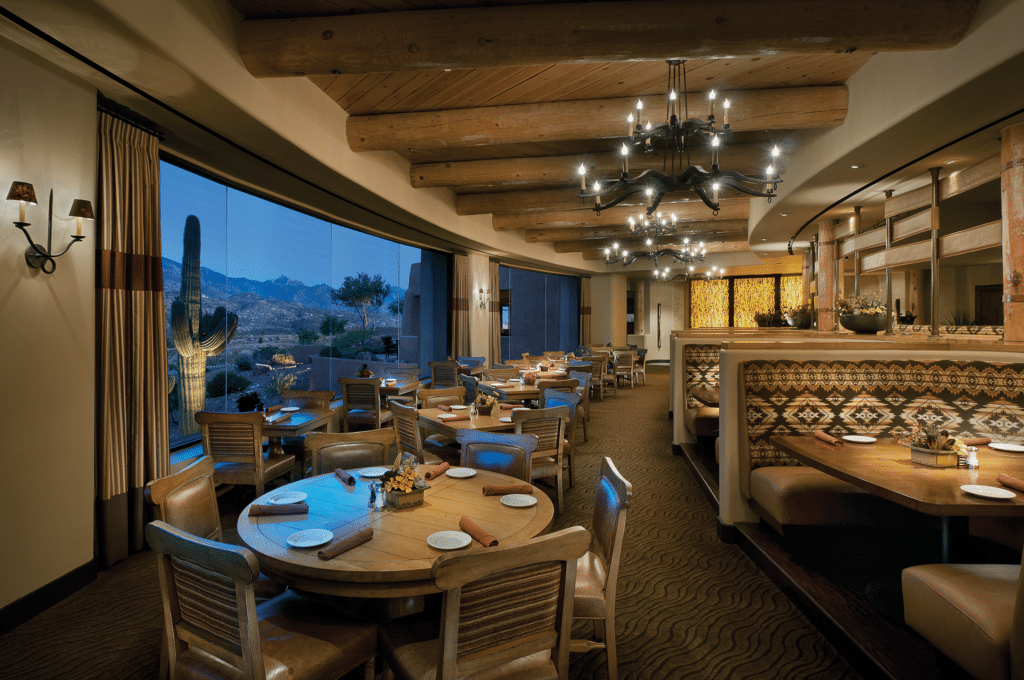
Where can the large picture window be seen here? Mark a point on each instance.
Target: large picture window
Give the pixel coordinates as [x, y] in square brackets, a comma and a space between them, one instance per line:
[540, 312]
[309, 300]
[735, 301]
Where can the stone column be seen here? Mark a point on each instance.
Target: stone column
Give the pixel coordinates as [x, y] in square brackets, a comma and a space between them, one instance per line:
[1012, 194]
[806, 290]
[826, 284]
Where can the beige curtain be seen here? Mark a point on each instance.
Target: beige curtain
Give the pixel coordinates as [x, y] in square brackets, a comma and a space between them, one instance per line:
[584, 311]
[132, 428]
[460, 306]
[495, 313]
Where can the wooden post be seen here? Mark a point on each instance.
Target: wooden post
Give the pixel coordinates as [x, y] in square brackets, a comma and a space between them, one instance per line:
[935, 254]
[826, 276]
[888, 271]
[1012, 193]
[840, 277]
[856, 256]
[806, 288]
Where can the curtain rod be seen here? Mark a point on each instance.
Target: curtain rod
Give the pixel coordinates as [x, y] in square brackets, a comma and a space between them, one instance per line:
[123, 113]
[536, 269]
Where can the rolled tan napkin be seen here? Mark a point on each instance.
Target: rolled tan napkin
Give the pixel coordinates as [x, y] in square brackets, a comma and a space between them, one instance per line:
[506, 407]
[507, 489]
[445, 408]
[458, 417]
[271, 410]
[346, 543]
[474, 530]
[435, 471]
[976, 441]
[346, 478]
[1007, 480]
[285, 509]
[827, 438]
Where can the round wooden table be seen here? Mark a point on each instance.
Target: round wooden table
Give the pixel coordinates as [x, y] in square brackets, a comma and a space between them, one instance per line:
[397, 561]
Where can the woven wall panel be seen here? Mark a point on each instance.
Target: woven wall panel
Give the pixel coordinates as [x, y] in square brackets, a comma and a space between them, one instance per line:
[701, 362]
[792, 291]
[709, 303]
[750, 297]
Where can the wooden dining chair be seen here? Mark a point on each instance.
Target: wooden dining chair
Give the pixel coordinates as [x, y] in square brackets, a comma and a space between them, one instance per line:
[405, 377]
[611, 378]
[506, 454]
[548, 425]
[597, 365]
[623, 367]
[554, 354]
[501, 373]
[314, 400]
[212, 628]
[469, 383]
[449, 396]
[571, 400]
[472, 361]
[444, 374]
[409, 438]
[583, 390]
[505, 613]
[234, 442]
[639, 367]
[561, 385]
[361, 403]
[349, 450]
[532, 359]
[597, 572]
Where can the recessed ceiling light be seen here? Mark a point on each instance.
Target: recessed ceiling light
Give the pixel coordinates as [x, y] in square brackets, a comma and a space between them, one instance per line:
[951, 161]
[854, 167]
[764, 239]
[784, 214]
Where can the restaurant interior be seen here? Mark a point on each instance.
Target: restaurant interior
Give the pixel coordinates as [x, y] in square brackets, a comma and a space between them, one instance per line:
[698, 322]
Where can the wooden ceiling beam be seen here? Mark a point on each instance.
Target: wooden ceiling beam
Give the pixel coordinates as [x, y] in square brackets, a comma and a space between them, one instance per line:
[631, 243]
[483, 37]
[732, 209]
[772, 109]
[552, 171]
[548, 200]
[701, 229]
[726, 247]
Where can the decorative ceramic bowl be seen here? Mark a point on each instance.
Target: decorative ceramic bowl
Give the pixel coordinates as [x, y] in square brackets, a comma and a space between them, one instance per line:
[866, 324]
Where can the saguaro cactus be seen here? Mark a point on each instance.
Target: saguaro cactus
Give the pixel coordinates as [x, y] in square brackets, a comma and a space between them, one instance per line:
[196, 335]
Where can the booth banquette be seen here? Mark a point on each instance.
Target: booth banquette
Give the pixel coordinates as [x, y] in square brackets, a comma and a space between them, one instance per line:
[883, 394]
[700, 377]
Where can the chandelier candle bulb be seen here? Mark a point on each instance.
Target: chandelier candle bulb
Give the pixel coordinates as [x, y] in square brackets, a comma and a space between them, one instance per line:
[629, 126]
[650, 198]
[583, 178]
[711, 102]
[625, 159]
[714, 155]
[597, 199]
[725, 114]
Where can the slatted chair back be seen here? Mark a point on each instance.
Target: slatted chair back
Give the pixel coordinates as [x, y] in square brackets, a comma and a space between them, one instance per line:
[408, 437]
[235, 438]
[208, 598]
[518, 363]
[548, 424]
[444, 374]
[360, 397]
[555, 354]
[562, 385]
[614, 496]
[451, 396]
[624, 362]
[472, 361]
[532, 359]
[469, 383]
[552, 398]
[501, 373]
[534, 583]
[584, 388]
[597, 364]
[315, 400]
[188, 500]
[507, 454]
[350, 450]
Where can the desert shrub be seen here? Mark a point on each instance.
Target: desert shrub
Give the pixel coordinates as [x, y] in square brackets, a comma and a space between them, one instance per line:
[307, 337]
[282, 382]
[226, 382]
[336, 352]
[264, 354]
[283, 359]
[243, 362]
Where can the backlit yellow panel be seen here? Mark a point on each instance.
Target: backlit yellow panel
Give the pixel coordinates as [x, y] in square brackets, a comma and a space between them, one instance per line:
[709, 303]
[792, 291]
[752, 296]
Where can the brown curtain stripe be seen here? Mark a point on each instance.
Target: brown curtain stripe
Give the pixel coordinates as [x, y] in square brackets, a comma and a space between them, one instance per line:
[132, 425]
[460, 306]
[495, 313]
[585, 311]
[127, 271]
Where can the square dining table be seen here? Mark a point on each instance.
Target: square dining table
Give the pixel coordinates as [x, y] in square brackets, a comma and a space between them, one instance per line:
[508, 391]
[429, 420]
[295, 424]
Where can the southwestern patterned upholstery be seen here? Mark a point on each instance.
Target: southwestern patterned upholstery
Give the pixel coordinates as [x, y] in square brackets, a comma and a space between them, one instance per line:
[701, 368]
[875, 398]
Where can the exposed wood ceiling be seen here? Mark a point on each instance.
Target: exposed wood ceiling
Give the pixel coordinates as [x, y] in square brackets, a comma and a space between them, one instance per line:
[507, 134]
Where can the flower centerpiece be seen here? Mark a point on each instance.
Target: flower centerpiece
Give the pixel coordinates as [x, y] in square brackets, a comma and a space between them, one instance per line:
[400, 487]
[799, 316]
[862, 314]
[767, 319]
[933, 446]
[364, 372]
[529, 378]
[484, 403]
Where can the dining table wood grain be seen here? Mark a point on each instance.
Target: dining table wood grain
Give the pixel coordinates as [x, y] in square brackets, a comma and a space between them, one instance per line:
[398, 560]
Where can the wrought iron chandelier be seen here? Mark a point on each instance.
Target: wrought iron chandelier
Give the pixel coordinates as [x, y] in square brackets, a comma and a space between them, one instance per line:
[653, 228]
[676, 136]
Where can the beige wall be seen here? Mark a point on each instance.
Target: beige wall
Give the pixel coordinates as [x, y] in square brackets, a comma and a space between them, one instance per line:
[479, 319]
[608, 309]
[46, 329]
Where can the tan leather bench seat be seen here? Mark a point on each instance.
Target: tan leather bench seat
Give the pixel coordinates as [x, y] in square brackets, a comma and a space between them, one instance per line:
[701, 421]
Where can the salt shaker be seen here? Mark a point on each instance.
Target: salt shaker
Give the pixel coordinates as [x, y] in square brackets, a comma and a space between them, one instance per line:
[972, 458]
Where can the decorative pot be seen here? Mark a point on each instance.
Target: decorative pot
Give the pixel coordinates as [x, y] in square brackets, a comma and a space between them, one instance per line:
[484, 410]
[932, 458]
[863, 324]
[802, 320]
[405, 499]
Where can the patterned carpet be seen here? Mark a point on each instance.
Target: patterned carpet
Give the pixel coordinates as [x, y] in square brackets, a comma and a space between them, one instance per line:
[688, 606]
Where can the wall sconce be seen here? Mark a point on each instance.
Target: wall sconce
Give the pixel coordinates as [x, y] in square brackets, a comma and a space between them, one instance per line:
[483, 298]
[36, 255]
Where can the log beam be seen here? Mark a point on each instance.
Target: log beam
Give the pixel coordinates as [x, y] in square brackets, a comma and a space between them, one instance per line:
[726, 247]
[549, 200]
[734, 209]
[482, 37]
[699, 229]
[772, 109]
[556, 171]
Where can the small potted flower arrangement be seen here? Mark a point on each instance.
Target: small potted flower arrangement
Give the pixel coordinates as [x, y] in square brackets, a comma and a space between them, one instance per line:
[932, 446]
[529, 378]
[485, 403]
[798, 316]
[400, 488]
[862, 314]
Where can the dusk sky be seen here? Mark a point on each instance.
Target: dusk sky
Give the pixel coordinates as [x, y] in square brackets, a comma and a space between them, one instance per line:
[246, 236]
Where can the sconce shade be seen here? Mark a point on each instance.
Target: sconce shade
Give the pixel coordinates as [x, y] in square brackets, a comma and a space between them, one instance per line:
[22, 191]
[82, 208]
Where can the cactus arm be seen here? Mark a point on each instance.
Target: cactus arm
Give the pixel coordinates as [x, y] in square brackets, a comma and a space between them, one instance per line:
[217, 340]
[181, 329]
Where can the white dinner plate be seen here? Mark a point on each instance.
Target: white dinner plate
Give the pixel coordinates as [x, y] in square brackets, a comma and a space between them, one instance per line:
[309, 538]
[859, 439]
[289, 409]
[522, 408]
[373, 472]
[1008, 448]
[518, 500]
[449, 540]
[515, 380]
[459, 407]
[460, 472]
[287, 497]
[987, 491]
[505, 419]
